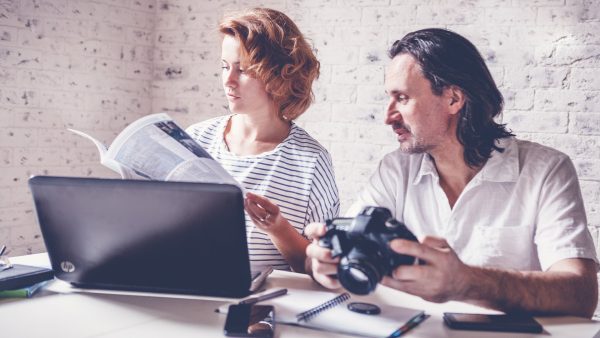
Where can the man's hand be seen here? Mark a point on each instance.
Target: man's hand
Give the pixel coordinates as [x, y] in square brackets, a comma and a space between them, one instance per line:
[444, 276]
[319, 261]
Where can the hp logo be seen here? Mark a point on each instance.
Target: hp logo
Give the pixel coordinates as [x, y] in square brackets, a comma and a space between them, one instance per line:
[67, 266]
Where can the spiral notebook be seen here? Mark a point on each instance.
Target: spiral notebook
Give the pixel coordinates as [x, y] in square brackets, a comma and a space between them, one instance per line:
[328, 311]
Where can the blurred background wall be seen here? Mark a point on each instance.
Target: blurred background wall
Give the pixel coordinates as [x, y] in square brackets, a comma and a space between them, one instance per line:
[98, 65]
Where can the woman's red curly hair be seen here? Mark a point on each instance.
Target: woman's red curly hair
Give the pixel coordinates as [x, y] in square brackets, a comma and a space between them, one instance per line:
[274, 51]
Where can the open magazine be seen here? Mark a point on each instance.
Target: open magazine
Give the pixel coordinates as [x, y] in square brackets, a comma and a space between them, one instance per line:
[154, 147]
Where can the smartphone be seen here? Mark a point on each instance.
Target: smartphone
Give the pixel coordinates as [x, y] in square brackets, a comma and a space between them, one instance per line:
[250, 320]
[501, 323]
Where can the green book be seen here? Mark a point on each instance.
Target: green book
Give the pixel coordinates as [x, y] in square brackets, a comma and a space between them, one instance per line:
[23, 292]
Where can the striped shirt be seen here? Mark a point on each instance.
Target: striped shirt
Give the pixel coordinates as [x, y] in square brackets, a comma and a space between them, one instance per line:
[297, 175]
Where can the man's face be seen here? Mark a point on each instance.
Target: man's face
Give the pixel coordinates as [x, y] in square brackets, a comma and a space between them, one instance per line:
[422, 120]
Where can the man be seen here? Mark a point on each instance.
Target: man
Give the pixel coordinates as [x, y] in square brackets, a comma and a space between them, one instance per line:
[501, 221]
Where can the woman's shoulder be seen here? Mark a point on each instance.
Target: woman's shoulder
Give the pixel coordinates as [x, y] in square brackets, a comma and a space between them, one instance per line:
[301, 141]
[210, 126]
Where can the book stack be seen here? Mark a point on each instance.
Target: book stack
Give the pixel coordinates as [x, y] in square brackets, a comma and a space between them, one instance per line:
[25, 292]
[22, 280]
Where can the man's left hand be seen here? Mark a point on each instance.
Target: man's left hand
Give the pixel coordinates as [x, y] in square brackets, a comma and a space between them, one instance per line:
[443, 277]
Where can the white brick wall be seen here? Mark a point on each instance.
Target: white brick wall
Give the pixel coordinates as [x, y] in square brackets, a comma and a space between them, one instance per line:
[97, 65]
[75, 63]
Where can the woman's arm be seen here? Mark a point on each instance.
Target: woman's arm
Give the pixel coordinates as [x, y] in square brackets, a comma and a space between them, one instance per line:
[267, 217]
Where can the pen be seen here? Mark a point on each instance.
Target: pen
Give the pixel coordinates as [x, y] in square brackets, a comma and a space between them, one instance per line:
[2, 250]
[409, 325]
[256, 299]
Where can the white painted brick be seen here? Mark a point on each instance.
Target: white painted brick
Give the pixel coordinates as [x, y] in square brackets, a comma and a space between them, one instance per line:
[16, 97]
[380, 134]
[6, 159]
[330, 131]
[8, 36]
[337, 53]
[528, 121]
[5, 197]
[358, 152]
[576, 146]
[372, 94]
[593, 216]
[358, 113]
[565, 100]
[18, 137]
[363, 35]
[560, 15]
[449, 14]
[37, 118]
[585, 78]
[364, 74]
[389, 15]
[521, 15]
[44, 7]
[537, 77]
[585, 123]
[373, 55]
[587, 168]
[570, 55]
[337, 93]
[317, 112]
[19, 58]
[518, 99]
[23, 235]
[143, 5]
[590, 191]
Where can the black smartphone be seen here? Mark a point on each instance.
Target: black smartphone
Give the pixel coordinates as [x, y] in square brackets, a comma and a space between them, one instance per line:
[502, 323]
[250, 320]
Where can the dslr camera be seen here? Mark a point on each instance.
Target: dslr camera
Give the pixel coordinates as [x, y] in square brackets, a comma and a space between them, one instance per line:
[363, 245]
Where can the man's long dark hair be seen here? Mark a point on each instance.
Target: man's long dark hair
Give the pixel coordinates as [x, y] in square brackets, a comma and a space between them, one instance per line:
[448, 59]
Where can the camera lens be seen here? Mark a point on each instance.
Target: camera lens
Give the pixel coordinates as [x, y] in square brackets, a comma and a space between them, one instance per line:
[358, 278]
[359, 274]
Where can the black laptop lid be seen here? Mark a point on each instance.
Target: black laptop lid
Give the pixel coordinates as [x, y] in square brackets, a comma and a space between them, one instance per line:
[145, 235]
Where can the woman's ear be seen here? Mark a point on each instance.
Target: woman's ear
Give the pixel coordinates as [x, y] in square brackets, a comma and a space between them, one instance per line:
[456, 99]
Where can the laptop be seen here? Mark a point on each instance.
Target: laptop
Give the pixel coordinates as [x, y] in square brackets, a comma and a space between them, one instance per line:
[151, 236]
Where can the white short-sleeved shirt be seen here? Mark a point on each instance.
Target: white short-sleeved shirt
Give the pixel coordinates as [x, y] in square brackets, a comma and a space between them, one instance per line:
[523, 210]
[297, 175]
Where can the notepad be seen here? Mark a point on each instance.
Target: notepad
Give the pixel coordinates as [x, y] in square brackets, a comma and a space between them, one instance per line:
[328, 311]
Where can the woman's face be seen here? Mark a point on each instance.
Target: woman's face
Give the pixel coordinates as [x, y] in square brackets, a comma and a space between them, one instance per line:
[246, 95]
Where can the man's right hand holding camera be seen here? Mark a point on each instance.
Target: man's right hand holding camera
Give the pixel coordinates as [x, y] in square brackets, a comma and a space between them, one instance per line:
[440, 281]
[319, 262]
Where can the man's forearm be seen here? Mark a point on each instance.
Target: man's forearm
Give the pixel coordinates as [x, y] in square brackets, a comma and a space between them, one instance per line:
[551, 292]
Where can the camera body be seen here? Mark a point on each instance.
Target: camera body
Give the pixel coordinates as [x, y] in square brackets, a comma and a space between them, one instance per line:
[362, 243]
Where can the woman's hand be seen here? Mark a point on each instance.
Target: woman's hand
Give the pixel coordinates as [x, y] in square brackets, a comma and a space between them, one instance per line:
[264, 213]
[267, 217]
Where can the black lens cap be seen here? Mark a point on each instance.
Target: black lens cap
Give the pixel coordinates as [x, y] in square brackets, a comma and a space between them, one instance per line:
[364, 308]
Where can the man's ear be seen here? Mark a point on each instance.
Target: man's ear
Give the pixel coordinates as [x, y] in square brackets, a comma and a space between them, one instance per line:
[456, 99]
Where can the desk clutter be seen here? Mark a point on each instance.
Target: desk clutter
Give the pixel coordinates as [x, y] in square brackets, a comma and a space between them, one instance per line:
[22, 280]
[328, 311]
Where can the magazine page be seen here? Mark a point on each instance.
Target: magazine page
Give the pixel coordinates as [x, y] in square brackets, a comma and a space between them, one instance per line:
[155, 147]
[107, 161]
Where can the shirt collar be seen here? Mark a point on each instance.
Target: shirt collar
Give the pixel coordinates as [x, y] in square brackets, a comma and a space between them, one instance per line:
[500, 167]
[427, 167]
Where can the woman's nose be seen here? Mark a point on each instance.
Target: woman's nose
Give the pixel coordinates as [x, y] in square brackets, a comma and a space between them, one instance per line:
[230, 78]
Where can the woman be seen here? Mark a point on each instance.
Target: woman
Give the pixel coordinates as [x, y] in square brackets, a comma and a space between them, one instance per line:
[268, 71]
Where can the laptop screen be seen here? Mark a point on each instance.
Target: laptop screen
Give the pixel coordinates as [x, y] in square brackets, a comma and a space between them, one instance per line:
[140, 235]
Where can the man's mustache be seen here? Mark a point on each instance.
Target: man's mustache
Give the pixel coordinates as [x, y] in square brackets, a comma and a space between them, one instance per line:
[399, 125]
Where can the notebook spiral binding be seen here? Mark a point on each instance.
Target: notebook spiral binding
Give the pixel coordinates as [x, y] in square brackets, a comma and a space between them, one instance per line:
[306, 315]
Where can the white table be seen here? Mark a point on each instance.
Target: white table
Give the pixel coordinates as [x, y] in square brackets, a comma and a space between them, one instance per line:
[89, 314]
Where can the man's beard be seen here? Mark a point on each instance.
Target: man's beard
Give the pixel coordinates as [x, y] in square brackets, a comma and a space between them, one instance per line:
[415, 144]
